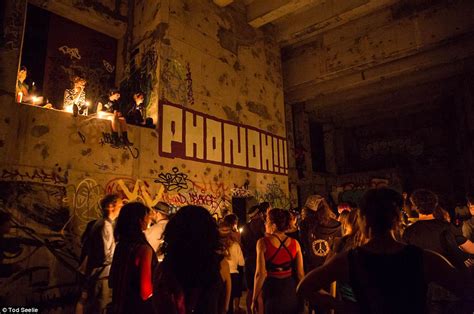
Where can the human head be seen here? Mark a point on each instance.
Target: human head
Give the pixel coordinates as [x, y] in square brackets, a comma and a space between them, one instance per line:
[232, 220]
[258, 210]
[162, 208]
[133, 219]
[278, 220]
[114, 94]
[111, 205]
[424, 201]
[441, 214]
[22, 73]
[5, 222]
[191, 245]
[149, 122]
[138, 97]
[264, 207]
[470, 202]
[317, 210]
[342, 207]
[160, 211]
[379, 211]
[225, 229]
[79, 82]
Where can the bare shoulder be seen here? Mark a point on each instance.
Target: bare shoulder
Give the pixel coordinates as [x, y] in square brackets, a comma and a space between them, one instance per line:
[297, 243]
[261, 243]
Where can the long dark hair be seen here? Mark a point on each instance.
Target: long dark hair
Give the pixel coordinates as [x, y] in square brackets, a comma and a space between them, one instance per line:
[381, 209]
[129, 222]
[191, 245]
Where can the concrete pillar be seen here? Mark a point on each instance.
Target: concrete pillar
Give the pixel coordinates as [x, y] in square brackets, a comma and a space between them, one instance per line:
[330, 147]
[303, 149]
[12, 19]
[468, 115]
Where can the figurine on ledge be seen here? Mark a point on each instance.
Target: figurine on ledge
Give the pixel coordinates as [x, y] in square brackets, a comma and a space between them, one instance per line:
[75, 98]
[110, 110]
[22, 89]
[136, 115]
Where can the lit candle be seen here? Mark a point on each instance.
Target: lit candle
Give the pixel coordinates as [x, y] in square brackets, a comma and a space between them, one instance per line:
[19, 97]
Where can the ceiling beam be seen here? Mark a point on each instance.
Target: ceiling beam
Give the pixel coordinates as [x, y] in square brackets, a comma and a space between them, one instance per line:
[412, 92]
[323, 17]
[87, 17]
[446, 60]
[349, 56]
[223, 3]
[261, 12]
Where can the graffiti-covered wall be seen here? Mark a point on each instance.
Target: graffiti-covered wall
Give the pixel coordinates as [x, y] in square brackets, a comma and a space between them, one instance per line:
[208, 59]
[54, 170]
[213, 86]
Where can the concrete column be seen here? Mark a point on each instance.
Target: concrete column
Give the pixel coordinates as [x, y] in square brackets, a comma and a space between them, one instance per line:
[12, 19]
[468, 115]
[303, 149]
[330, 147]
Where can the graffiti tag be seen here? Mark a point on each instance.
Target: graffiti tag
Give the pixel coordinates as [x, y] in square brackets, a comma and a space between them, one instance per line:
[73, 53]
[37, 175]
[174, 181]
[107, 139]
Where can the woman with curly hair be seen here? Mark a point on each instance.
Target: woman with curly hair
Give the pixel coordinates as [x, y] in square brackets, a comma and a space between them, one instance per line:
[193, 277]
[279, 262]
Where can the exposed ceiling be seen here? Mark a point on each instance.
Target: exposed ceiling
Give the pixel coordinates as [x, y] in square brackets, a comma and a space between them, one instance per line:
[338, 51]
[298, 20]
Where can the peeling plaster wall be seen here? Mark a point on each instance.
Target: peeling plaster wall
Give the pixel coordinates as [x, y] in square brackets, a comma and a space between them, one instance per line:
[210, 59]
[55, 168]
[13, 13]
[107, 16]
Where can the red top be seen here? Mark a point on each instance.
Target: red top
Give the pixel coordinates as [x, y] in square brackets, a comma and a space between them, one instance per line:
[279, 260]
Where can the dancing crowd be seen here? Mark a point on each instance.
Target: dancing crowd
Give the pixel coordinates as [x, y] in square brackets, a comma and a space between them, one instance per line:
[365, 258]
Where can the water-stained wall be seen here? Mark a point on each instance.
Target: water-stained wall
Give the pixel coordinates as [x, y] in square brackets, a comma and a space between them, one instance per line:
[196, 62]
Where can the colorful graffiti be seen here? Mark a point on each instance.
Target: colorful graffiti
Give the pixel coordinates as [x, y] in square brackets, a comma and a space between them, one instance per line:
[351, 191]
[135, 190]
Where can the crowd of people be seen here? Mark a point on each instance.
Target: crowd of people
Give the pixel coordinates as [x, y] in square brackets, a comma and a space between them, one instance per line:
[75, 101]
[365, 258]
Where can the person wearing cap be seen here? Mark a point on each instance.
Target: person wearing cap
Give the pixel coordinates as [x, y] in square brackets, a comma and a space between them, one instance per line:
[154, 234]
[319, 228]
